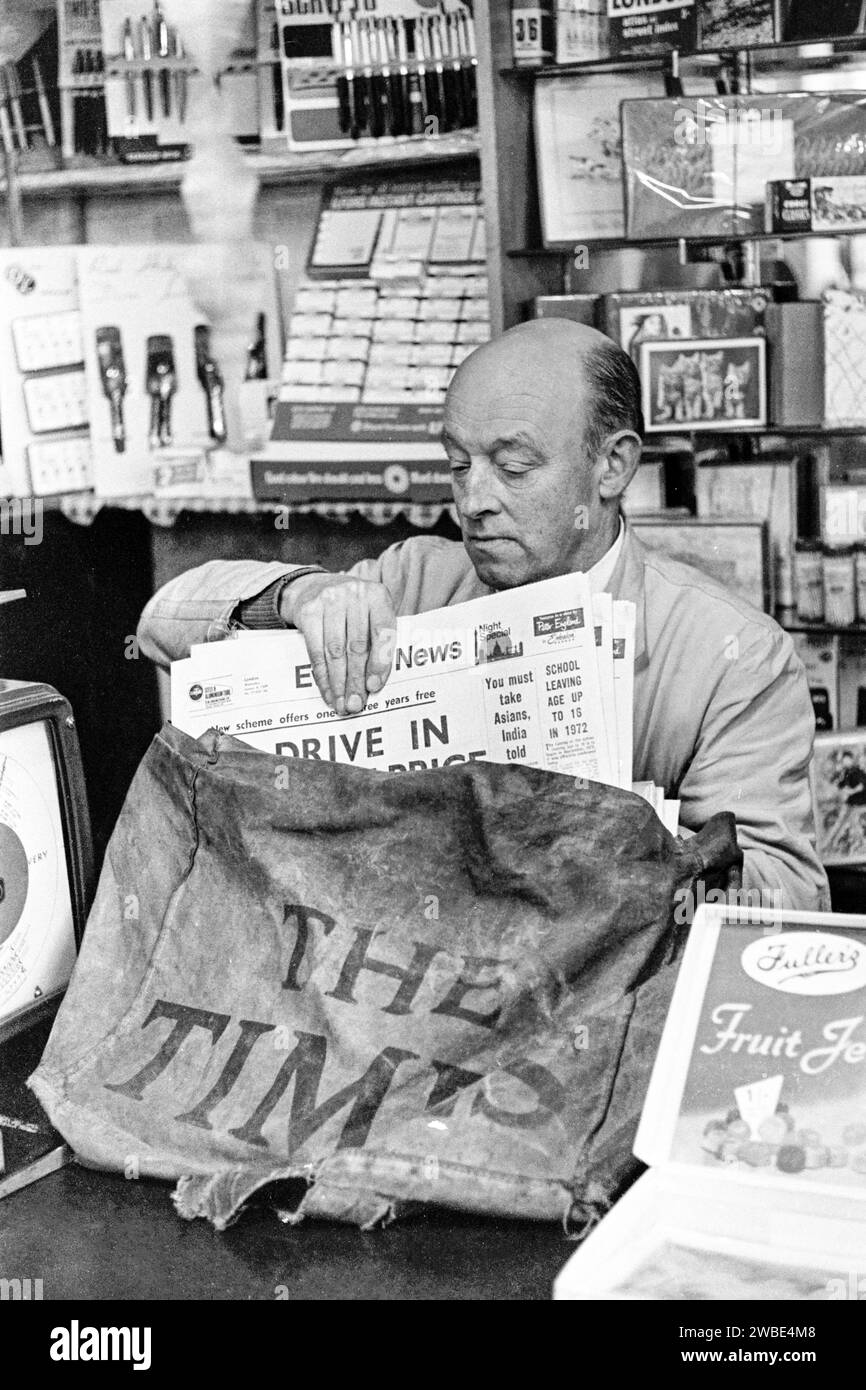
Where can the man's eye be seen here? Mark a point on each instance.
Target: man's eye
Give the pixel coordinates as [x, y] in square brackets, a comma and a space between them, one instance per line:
[458, 465]
[513, 466]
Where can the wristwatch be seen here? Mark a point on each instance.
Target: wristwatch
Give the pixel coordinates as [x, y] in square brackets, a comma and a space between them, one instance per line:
[263, 611]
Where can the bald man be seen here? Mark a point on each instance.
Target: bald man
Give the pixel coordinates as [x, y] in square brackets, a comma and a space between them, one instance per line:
[543, 431]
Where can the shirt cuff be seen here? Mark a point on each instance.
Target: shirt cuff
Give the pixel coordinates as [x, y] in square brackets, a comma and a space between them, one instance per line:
[263, 611]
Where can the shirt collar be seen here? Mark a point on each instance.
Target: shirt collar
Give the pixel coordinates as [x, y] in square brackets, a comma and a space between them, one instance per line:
[628, 581]
[600, 575]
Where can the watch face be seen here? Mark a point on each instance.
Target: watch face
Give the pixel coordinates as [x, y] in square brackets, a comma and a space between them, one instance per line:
[37, 939]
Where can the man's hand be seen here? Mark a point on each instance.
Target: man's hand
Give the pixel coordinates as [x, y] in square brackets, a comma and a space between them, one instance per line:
[349, 627]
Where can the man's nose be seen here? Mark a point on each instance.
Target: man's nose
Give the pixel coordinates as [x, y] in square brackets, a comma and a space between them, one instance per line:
[478, 489]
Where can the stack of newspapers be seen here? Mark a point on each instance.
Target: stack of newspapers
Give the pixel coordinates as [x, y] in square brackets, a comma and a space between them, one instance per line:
[541, 676]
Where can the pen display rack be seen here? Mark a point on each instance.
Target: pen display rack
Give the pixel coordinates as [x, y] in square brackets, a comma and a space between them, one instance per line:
[81, 78]
[349, 75]
[150, 80]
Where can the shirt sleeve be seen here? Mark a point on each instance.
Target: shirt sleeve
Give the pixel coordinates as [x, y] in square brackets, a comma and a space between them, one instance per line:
[202, 604]
[207, 603]
[753, 758]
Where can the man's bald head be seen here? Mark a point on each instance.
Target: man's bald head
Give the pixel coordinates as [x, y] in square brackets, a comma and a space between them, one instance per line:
[542, 431]
[578, 378]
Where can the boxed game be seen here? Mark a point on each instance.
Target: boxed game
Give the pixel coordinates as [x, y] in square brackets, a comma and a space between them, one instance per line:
[580, 308]
[788, 205]
[631, 317]
[735, 23]
[698, 166]
[795, 343]
[819, 204]
[819, 653]
[844, 357]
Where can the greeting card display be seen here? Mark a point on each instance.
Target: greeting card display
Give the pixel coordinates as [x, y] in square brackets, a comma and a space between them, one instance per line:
[838, 774]
[734, 553]
[579, 152]
[46, 442]
[844, 357]
[754, 1125]
[705, 383]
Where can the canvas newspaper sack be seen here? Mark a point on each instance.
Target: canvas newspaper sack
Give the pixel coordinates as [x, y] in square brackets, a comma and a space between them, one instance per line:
[445, 986]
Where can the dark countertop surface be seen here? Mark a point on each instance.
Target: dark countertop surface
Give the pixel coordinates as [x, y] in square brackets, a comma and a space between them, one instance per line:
[92, 1235]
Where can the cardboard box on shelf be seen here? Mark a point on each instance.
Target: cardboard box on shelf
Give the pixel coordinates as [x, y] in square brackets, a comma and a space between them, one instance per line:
[645, 493]
[788, 205]
[632, 317]
[819, 653]
[843, 513]
[582, 30]
[795, 341]
[580, 308]
[765, 492]
[852, 681]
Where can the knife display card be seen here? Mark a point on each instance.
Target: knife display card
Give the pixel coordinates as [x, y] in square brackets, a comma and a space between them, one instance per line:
[151, 81]
[154, 383]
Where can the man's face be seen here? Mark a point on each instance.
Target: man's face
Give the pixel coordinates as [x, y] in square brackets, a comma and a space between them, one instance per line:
[526, 493]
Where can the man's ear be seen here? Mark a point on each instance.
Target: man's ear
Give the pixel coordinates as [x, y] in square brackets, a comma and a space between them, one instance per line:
[619, 463]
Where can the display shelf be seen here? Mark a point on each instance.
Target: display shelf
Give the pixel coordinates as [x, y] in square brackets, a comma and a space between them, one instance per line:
[83, 507]
[566, 249]
[826, 629]
[274, 170]
[787, 53]
[653, 442]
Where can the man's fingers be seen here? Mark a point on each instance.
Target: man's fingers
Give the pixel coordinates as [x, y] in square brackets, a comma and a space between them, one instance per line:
[357, 648]
[311, 628]
[350, 630]
[334, 632]
[383, 637]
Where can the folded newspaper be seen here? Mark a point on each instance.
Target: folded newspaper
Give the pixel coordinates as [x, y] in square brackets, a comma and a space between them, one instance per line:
[541, 675]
